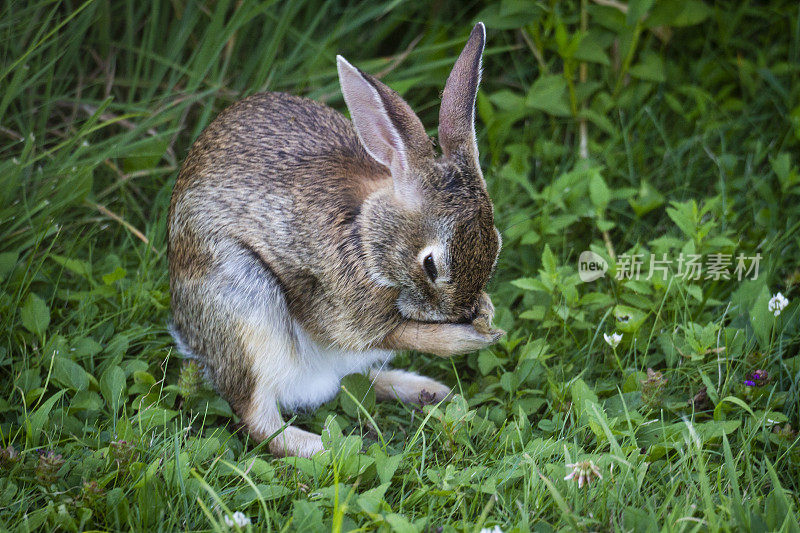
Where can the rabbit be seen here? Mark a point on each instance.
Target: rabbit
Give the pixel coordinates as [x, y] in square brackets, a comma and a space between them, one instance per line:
[303, 247]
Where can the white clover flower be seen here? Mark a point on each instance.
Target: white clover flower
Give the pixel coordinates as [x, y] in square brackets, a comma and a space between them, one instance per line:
[495, 529]
[777, 303]
[238, 519]
[612, 340]
[583, 472]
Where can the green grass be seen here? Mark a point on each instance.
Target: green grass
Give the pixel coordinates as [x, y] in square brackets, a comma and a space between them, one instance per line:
[692, 121]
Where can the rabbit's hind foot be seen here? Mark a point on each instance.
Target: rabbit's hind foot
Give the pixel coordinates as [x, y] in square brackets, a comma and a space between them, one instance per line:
[264, 421]
[408, 387]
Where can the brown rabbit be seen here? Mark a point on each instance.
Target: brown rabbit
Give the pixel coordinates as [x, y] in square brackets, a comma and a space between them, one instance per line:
[304, 247]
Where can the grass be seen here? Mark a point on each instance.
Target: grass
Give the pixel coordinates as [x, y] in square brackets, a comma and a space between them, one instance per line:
[690, 117]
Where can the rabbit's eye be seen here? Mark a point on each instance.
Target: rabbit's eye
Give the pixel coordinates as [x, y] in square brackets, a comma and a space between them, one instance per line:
[430, 267]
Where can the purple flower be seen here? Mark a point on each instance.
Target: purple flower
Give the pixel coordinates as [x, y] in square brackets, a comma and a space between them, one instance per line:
[757, 378]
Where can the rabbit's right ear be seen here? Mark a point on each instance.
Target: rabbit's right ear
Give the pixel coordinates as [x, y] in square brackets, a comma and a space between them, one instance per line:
[387, 127]
[457, 113]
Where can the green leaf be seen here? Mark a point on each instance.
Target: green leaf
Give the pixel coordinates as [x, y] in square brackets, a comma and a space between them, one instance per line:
[548, 260]
[509, 15]
[112, 386]
[530, 238]
[534, 313]
[386, 466]
[591, 50]
[146, 153]
[581, 392]
[685, 215]
[761, 318]
[35, 314]
[506, 100]
[118, 274]
[509, 381]
[778, 501]
[267, 492]
[678, 13]
[628, 319]
[719, 412]
[37, 420]
[650, 68]
[598, 192]
[307, 516]
[634, 519]
[372, 501]
[8, 260]
[535, 350]
[548, 94]
[154, 417]
[400, 524]
[360, 387]
[70, 374]
[81, 268]
[85, 347]
[648, 199]
[332, 433]
[527, 284]
[714, 429]
[487, 361]
[117, 346]
[601, 121]
[86, 400]
[782, 166]
[637, 9]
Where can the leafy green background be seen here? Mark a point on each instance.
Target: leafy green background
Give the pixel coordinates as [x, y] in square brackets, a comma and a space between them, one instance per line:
[649, 127]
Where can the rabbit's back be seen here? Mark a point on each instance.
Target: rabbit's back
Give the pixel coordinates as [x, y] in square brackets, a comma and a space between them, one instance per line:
[276, 142]
[285, 167]
[282, 179]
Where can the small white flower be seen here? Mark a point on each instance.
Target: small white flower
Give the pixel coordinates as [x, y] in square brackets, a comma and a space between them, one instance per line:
[495, 529]
[777, 303]
[583, 472]
[238, 519]
[612, 340]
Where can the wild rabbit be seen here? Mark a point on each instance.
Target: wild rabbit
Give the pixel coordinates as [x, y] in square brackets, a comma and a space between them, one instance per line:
[304, 247]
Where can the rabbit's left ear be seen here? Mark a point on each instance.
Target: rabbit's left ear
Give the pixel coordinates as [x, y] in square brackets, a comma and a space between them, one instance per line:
[457, 113]
[386, 126]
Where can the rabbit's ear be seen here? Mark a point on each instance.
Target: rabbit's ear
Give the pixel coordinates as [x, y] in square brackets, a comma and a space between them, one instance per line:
[387, 127]
[457, 113]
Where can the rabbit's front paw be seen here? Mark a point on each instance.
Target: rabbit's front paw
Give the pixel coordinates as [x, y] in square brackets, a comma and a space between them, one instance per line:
[465, 338]
[443, 340]
[484, 314]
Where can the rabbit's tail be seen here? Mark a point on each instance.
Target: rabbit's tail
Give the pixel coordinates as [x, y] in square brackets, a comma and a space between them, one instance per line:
[180, 343]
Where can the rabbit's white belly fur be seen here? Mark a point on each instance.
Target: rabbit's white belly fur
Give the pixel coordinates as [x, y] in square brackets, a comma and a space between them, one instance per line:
[314, 374]
[290, 366]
